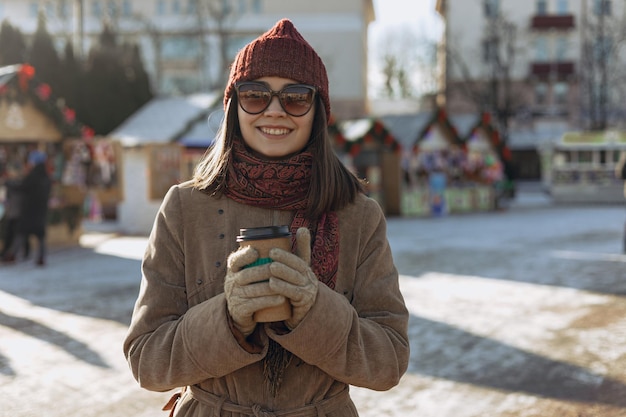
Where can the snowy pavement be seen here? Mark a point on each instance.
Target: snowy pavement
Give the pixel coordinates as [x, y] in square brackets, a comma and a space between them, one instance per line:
[520, 313]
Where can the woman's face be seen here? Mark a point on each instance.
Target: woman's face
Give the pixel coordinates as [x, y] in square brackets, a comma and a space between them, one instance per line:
[273, 133]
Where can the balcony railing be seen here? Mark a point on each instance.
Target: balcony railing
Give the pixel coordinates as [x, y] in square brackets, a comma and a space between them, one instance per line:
[553, 22]
[560, 69]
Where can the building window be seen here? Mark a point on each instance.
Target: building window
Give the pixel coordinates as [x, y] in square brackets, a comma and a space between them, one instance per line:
[63, 9]
[602, 48]
[192, 6]
[602, 7]
[560, 91]
[242, 6]
[160, 8]
[585, 157]
[561, 48]
[176, 8]
[96, 9]
[112, 9]
[49, 10]
[181, 47]
[491, 7]
[257, 6]
[226, 7]
[615, 157]
[541, 93]
[541, 49]
[127, 8]
[542, 7]
[562, 7]
[34, 9]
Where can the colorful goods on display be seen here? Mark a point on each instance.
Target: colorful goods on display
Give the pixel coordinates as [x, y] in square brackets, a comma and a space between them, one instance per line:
[32, 117]
[436, 171]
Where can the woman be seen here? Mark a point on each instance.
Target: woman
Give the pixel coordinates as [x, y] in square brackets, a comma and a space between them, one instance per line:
[272, 164]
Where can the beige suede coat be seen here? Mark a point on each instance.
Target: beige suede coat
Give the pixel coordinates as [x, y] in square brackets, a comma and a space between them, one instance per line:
[180, 335]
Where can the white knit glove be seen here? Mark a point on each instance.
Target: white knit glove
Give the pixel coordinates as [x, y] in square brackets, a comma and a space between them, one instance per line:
[292, 277]
[248, 290]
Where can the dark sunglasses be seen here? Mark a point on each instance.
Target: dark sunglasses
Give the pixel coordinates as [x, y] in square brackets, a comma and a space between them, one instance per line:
[296, 100]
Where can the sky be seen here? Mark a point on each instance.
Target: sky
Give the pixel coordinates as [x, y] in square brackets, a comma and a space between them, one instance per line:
[417, 16]
[392, 12]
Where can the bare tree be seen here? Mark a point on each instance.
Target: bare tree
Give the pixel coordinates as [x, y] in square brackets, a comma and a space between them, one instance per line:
[156, 40]
[493, 92]
[211, 18]
[601, 70]
[401, 55]
[222, 14]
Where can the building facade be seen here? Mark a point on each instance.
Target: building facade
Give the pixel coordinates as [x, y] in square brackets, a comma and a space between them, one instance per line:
[187, 45]
[542, 67]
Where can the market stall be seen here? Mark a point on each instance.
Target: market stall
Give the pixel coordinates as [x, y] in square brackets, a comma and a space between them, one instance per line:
[579, 167]
[161, 143]
[33, 118]
[486, 167]
[449, 164]
[368, 149]
[430, 160]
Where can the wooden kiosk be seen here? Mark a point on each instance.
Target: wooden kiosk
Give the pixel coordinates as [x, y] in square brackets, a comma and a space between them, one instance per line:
[80, 166]
[579, 167]
[447, 166]
[369, 149]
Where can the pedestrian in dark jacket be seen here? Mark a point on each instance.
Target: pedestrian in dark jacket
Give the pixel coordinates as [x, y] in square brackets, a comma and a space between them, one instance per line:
[13, 206]
[35, 189]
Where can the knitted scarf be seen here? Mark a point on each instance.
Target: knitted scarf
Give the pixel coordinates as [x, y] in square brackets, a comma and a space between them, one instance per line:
[284, 185]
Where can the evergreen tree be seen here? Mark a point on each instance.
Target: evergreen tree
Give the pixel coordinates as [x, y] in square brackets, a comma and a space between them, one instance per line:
[43, 56]
[72, 80]
[141, 80]
[12, 45]
[116, 83]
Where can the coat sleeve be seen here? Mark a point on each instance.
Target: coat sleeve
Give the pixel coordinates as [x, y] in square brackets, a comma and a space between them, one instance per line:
[167, 341]
[362, 342]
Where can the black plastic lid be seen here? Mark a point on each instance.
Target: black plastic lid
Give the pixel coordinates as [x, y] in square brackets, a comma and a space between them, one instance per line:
[266, 232]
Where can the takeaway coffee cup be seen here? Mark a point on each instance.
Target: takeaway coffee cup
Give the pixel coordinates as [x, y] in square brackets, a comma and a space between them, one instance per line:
[263, 239]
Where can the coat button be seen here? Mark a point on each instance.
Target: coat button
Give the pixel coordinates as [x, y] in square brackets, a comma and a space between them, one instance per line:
[220, 211]
[218, 264]
[222, 236]
[198, 281]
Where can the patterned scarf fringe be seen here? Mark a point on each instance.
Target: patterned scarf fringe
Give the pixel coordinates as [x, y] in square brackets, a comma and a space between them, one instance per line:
[274, 364]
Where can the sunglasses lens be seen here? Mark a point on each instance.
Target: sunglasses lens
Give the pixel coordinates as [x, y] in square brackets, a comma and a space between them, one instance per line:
[297, 100]
[253, 98]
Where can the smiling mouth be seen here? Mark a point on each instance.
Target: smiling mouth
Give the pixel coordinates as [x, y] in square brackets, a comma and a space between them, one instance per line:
[274, 131]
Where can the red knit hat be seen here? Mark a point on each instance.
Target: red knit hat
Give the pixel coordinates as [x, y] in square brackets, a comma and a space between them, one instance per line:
[280, 52]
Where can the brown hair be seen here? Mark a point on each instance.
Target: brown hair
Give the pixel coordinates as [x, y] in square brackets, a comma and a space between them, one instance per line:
[332, 187]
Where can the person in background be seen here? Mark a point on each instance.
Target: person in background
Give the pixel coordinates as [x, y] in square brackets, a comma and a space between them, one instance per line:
[620, 172]
[194, 324]
[35, 190]
[12, 204]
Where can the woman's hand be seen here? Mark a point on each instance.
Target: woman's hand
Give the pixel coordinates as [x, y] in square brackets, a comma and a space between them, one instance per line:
[293, 278]
[247, 290]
